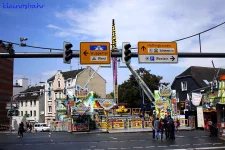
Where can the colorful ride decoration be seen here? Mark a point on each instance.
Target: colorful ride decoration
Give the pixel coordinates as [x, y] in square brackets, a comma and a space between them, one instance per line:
[121, 109]
[165, 101]
[221, 92]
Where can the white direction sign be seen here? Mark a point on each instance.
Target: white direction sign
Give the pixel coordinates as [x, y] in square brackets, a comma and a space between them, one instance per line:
[158, 59]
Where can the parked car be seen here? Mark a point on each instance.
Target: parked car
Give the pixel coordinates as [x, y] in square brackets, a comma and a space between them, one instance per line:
[41, 127]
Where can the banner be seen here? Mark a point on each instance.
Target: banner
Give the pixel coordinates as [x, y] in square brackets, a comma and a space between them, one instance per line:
[196, 99]
[106, 104]
[79, 109]
[200, 117]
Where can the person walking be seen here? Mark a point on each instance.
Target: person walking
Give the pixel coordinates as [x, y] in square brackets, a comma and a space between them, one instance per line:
[161, 128]
[156, 127]
[21, 129]
[171, 127]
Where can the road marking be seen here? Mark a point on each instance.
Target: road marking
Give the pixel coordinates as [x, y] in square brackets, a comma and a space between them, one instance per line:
[99, 149]
[133, 140]
[162, 146]
[174, 145]
[210, 148]
[217, 143]
[185, 145]
[137, 147]
[112, 148]
[113, 141]
[180, 136]
[28, 144]
[124, 148]
[197, 144]
[122, 141]
[150, 146]
[92, 146]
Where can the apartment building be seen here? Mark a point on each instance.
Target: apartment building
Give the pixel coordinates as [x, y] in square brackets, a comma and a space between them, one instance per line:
[20, 85]
[6, 84]
[31, 106]
[69, 80]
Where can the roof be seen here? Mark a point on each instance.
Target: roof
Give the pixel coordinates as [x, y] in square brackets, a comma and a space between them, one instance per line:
[201, 75]
[30, 96]
[68, 74]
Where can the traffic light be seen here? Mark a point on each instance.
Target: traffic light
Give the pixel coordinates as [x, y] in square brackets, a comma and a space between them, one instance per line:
[127, 53]
[67, 52]
[10, 113]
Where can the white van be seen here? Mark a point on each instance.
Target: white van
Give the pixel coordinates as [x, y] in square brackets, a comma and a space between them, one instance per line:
[42, 127]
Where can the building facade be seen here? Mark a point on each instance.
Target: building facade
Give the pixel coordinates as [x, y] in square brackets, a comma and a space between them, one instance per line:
[20, 85]
[194, 79]
[31, 106]
[6, 84]
[57, 84]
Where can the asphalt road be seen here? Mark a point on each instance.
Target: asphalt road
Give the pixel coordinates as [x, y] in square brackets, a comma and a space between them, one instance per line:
[103, 141]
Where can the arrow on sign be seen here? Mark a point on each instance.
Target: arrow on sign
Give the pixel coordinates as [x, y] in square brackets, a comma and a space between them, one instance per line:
[143, 48]
[85, 53]
[172, 58]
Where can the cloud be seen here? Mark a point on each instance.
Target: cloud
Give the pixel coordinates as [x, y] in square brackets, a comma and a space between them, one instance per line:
[146, 20]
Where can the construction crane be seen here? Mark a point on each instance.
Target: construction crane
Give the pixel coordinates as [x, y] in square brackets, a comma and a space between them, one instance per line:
[89, 79]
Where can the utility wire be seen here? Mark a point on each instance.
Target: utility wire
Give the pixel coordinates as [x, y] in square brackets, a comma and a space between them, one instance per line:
[56, 49]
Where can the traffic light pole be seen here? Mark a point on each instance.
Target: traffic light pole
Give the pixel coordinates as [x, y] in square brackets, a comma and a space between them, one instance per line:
[113, 54]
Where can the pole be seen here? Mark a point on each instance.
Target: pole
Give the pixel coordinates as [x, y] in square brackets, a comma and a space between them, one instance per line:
[107, 120]
[76, 54]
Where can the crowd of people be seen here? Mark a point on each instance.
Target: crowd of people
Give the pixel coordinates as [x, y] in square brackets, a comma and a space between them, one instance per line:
[164, 125]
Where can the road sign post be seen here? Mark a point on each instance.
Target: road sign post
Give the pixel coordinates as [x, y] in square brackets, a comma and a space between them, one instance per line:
[157, 52]
[95, 53]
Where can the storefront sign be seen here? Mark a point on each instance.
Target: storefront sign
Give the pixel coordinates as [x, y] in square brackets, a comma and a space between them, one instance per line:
[106, 104]
[196, 99]
[80, 109]
[165, 91]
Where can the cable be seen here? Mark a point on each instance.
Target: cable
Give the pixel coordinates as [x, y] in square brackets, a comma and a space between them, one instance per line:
[120, 49]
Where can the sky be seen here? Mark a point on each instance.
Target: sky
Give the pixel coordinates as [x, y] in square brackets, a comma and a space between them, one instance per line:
[90, 20]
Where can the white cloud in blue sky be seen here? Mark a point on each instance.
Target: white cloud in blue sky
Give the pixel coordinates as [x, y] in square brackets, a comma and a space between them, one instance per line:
[136, 20]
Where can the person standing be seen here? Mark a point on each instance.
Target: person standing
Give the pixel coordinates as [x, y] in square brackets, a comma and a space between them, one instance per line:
[161, 128]
[165, 120]
[171, 127]
[153, 129]
[156, 127]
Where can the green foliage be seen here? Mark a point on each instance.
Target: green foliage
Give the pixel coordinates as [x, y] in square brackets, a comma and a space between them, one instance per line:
[112, 94]
[129, 91]
[96, 95]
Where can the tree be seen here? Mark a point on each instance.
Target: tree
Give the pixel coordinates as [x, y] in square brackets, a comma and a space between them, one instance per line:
[112, 94]
[129, 91]
[96, 95]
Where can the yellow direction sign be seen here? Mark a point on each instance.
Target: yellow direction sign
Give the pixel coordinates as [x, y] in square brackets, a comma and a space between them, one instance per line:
[95, 53]
[157, 52]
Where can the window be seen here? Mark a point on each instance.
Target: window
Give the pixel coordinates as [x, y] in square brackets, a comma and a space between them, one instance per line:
[34, 113]
[184, 86]
[21, 104]
[25, 112]
[30, 103]
[60, 95]
[26, 104]
[34, 103]
[58, 83]
[30, 113]
[50, 95]
[56, 96]
[21, 113]
[50, 109]
[215, 84]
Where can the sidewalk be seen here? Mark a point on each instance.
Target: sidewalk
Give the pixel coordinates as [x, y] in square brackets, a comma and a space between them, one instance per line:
[126, 130]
